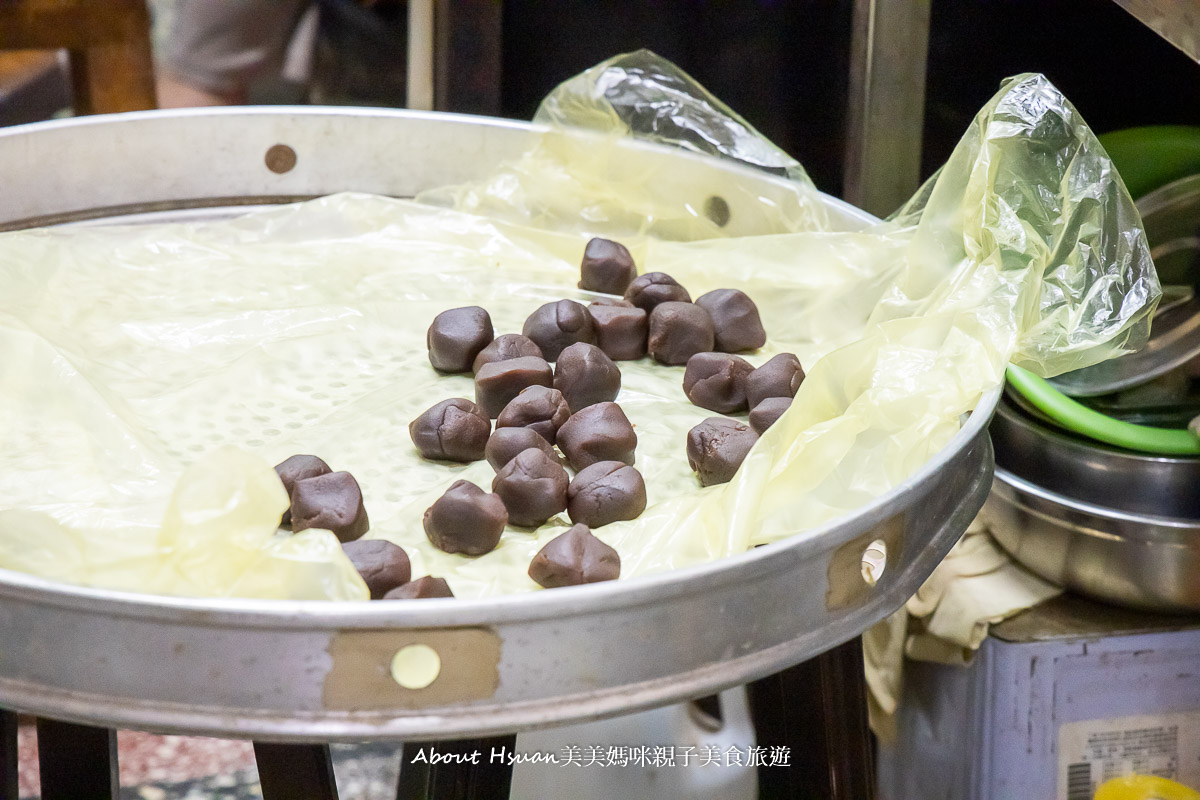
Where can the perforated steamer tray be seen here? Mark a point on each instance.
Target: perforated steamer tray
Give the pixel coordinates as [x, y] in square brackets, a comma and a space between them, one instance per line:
[306, 671]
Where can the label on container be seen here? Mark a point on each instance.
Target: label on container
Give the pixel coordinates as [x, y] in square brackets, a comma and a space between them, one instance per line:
[1092, 752]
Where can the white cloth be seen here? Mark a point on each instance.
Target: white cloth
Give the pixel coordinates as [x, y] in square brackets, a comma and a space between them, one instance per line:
[975, 586]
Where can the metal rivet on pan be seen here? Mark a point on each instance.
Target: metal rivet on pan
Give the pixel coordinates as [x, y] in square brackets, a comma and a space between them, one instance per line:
[716, 209]
[874, 560]
[415, 666]
[280, 158]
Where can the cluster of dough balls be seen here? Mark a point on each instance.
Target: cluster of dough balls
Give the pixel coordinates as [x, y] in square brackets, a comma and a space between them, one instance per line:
[728, 384]
[551, 391]
[322, 498]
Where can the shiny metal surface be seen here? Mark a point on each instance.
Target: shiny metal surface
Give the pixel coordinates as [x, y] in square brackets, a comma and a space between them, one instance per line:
[110, 165]
[1174, 20]
[1174, 341]
[1136, 560]
[322, 671]
[1171, 218]
[886, 102]
[1093, 472]
[420, 55]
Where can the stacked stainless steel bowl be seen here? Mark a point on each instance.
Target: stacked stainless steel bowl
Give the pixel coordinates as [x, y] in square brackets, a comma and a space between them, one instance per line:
[1110, 523]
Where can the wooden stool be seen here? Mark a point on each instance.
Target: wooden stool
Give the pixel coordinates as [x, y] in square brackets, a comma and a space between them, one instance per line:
[109, 44]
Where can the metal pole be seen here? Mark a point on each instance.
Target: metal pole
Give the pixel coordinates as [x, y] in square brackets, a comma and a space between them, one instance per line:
[886, 114]
[1177, 21]
[420, 54]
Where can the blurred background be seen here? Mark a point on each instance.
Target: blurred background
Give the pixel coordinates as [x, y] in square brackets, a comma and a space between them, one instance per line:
[783, 64]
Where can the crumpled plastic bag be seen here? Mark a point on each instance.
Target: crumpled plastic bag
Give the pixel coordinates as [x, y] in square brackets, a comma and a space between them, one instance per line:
[647, 97]
[131, 353]
[1030, 204]
[590, 183]
[218, 537]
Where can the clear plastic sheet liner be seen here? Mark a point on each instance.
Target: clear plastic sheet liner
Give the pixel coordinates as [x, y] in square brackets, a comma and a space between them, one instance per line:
[151, 375]
[592, 184]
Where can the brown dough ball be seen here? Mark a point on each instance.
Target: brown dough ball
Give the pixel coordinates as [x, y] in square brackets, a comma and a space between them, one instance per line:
[716, 448]
[506, 443]
[779, 377]
[456, 337]
[764, 415]
[717, 381]
[533, 487]
[678, 331]
[333, 502]
[497, 383]
[621, 329]
[297, 468]
[607, 491]
[382, 565]
[453, 430]
[538, 407]
[586, 376]
[576, 557]
[600, 432]
[735, 318]
[556, 326]
[466, 520]
[504, 347]
[607, 267]
[648, 290]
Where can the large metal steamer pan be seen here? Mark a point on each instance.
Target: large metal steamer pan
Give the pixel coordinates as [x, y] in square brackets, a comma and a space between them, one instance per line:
[321, 671]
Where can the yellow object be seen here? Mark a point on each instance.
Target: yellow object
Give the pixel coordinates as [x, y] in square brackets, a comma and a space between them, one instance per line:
[132, 359]
[416, 666]
[1144, 787]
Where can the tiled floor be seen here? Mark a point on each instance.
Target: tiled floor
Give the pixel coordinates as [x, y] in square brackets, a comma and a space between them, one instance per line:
[192, 768]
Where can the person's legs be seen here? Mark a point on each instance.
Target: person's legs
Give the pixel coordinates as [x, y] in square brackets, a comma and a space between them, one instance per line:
[216, 47]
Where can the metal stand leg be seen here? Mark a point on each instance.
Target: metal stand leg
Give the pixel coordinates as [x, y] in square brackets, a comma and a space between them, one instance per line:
[295, 771]
[77, 762]
[818, 710]
[8, 755]
[886, 114]
[452, 779]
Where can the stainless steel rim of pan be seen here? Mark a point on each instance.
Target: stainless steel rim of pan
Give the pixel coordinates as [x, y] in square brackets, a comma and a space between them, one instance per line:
[328, 672]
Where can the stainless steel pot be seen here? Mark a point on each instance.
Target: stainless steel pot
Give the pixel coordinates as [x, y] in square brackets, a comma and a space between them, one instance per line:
[1171, 216]
[322, 671]
[1123, 557]
[1036, 451]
